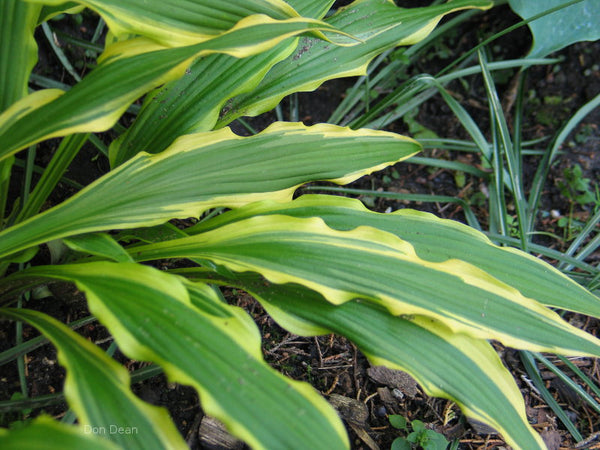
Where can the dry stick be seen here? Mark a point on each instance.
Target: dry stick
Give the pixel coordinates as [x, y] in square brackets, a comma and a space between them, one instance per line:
[587, 441]
[319, 351]
[336, 379]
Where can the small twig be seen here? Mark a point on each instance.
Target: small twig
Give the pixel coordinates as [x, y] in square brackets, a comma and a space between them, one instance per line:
[333, 385]
[102, 341]
[334, 357]
[287, 340]
[529, 383]
[370, 397]
[319, 351]
[334, 367]
[588, 440]
[355, 367]
[53, 41]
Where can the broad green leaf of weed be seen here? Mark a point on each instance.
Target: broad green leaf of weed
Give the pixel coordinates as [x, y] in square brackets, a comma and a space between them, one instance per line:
[575, 23]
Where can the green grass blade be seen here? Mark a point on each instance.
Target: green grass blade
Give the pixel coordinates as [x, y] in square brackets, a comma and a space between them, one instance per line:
[544, 167]
[536, 378]
[402, 98]
[589, 248]
[14, 352]
[517, 134]
[448, 164]
[67, 150]
[380, 26]
[58, 52]
[589, 228]
[506, 146]
[343, 114]
[402, 95]
[42, 401]
[467, 122]
[577, 371]
[569, 382]
[548, 252]
[48, 83]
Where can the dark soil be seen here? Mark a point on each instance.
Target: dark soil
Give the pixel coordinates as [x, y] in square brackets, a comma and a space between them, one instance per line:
[332, 364]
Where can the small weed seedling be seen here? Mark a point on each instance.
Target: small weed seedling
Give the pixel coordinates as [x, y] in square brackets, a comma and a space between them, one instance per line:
[577, 190]
[575, 187]
[420, 436]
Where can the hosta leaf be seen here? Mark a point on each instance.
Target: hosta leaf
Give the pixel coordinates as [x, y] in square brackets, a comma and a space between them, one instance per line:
[49, 434]
[216, 350]
[176, 23]
[18, 55]
[211, 169]
[53, 173]
[192, 103]
[94, 104]
[65, 7]
[578, 22]
[311, 8]
[434, 240]
[97, 388]
[149, 235]
[18, 50]
[378, 23]
[98, 244]
[473, 376]
[128, 70]
[373, 264]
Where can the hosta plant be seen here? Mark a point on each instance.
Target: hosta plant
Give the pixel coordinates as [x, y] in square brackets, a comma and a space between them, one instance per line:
[412, 291]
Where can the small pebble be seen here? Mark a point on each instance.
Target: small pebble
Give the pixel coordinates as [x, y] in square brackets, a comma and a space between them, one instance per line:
[397, 393]
[381, 411]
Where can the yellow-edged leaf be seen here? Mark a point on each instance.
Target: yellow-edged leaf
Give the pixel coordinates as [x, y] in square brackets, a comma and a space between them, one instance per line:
[176, 23]
[380, 25]
[50, 434]
[128, 70]
[98, 390]
[212, 169]
[377, 265]
[205, 344]
[435, 240]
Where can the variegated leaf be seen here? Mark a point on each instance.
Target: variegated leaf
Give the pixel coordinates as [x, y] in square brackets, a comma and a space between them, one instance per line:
[201, 342]
[212, 169]
[435, 240]
[369, 263]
